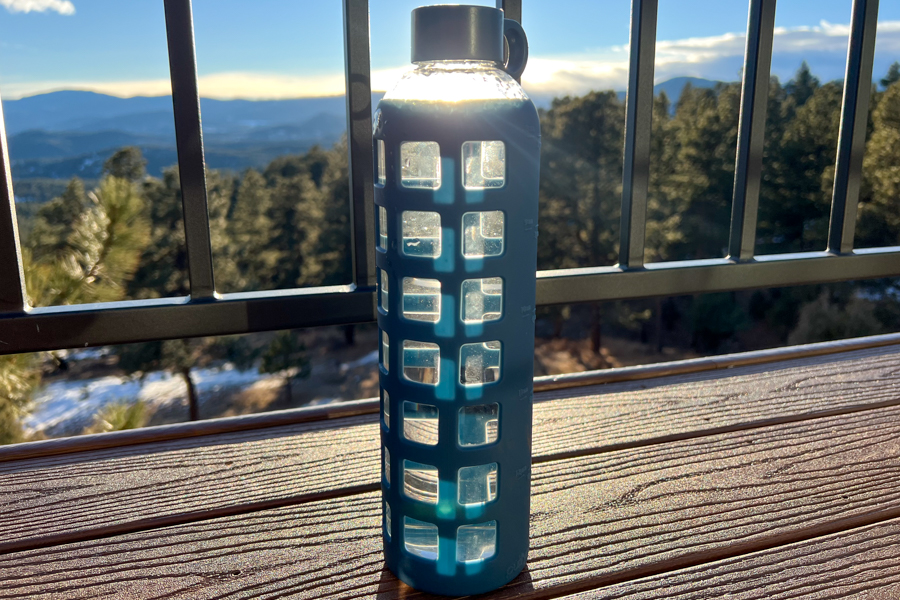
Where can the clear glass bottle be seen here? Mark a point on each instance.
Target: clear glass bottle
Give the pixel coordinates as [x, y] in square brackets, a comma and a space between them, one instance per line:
[457, 152]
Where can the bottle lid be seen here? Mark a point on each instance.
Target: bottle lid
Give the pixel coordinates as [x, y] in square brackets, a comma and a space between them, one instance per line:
[456, 32]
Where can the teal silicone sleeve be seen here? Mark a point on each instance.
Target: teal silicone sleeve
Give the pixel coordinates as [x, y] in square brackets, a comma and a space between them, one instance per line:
[430, 522]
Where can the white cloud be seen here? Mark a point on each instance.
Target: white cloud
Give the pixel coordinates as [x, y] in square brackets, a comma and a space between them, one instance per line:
[63, 7]
[719, 57]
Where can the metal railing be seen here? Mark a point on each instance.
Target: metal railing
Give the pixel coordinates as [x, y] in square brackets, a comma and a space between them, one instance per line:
[205, 313]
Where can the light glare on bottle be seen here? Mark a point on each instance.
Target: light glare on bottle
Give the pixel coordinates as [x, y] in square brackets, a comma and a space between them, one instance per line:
[484, 165]
[421, 299]
[421, 233]
[420, 165]
[483, 234]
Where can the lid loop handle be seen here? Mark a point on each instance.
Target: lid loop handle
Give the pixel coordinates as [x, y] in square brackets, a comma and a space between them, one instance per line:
[517, 45]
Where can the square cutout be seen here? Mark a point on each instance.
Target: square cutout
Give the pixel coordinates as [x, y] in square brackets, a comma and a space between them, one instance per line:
[420, 538]
[382, 228]
[387, 466]
[383, 285]
[421, 362]
[385, 351]
[482, 300]
[421, 233]
[479, 363]
[420, 165]
[420, 482]
[386, 409]
[477, 485]
[381, 173]
[483, 233]
[387, 521]
[420, 423]
[484, 165]
[476, 542]
[421, 299]
[479, 425]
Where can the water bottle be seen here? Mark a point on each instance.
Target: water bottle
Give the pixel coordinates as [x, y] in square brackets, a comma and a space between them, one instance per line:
[457, 149]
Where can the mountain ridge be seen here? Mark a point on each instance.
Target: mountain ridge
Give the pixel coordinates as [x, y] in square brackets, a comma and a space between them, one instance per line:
[71, 132]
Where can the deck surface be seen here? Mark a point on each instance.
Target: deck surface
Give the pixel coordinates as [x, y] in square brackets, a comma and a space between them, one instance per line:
[777, 480]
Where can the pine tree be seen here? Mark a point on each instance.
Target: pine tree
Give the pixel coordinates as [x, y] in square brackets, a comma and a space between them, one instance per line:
[892, 77]
[802, 86]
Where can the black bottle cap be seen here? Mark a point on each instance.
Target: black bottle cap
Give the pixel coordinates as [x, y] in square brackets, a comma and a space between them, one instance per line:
[454, 32]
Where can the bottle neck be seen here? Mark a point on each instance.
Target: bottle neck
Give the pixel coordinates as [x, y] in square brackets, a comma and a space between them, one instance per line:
[456, 65]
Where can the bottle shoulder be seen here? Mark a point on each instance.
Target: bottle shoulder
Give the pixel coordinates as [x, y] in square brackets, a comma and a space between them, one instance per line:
[455, 82]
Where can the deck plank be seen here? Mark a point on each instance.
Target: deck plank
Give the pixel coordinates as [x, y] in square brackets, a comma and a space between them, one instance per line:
[596, 520]
[858, 564]
[63, 498]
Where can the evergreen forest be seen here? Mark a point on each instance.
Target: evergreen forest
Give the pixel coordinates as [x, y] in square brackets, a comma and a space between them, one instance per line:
[287, 225]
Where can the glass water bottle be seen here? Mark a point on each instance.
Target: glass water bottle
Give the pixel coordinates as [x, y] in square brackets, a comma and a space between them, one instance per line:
[457, 145]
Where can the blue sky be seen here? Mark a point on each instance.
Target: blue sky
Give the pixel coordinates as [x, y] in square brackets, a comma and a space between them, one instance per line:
[291, 48]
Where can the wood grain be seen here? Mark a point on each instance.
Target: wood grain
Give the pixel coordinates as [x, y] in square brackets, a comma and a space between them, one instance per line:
[64, 498]
[860, 564]
[596, 520]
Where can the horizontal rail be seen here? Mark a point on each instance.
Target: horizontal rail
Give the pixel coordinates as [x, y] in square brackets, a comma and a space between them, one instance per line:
[714, 275]
[371, 406]
[85, 325]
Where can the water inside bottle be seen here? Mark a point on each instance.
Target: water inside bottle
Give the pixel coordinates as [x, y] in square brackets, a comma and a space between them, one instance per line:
[382, 171]
[482, 299]
[382, 228]
[420, 538]
[479, 425]
[421, 233]
[383, 285]
[420, 482]
[476, 542]
[478, 484]
[420, 423]
[421, 362]
[385, 355]
[420, 165]
[421, 299]
[483, 233]
[484, 165]
[479, 363]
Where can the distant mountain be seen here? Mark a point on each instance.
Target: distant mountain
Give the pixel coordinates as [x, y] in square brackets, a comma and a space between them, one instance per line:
[68, 133]
[62, 134]
[91, 112]
[673, 87]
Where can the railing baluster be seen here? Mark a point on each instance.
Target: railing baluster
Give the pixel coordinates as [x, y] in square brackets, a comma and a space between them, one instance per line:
[12, 278]
[638, 117]
[752, 129]
[854, 116]
[189, 138]
[512, 9]
[357, 70]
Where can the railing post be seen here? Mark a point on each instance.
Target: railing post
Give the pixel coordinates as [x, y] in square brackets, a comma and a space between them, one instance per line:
[12, 277]
[357, 70]
[752, 129]
[854, 116]
[189, 139]
[512, 9]
[638, 118]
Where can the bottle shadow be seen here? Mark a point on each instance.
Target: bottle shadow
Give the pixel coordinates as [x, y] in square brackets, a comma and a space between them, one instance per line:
[391, 588]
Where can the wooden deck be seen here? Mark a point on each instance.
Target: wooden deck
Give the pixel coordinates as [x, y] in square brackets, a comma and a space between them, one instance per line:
[774, 480]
